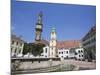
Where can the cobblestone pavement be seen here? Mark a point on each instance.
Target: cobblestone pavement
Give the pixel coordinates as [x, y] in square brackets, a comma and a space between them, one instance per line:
[83, 65]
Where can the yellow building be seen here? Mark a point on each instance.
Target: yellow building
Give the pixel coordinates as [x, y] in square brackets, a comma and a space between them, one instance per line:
[17, 45]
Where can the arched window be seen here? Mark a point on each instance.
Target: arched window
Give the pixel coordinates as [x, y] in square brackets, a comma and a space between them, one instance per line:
[15, 50]
[45, 50]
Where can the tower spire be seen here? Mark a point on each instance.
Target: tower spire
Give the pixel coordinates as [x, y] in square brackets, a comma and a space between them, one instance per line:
[39, 27]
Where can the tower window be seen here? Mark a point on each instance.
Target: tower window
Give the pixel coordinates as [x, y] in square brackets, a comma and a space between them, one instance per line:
[52, 33]
[45, 50]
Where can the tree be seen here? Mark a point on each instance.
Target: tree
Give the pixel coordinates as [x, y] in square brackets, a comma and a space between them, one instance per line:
[35, 49]
[27, 48]
[31, 47]
[38, 49]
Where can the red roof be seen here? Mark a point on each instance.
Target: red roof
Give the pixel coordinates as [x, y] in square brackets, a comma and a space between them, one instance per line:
[68, 44]
[16, 38]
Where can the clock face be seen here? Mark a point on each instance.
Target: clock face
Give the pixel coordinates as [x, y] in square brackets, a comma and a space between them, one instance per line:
[39, 26]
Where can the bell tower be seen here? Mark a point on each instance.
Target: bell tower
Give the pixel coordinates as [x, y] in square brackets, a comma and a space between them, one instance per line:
[53, 43]
[39, 27]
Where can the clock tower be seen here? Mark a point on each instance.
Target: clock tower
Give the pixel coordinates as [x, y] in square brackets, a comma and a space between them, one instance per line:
[53, 42]
[38, 28]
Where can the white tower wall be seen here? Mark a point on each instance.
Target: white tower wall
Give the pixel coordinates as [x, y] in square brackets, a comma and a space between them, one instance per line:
[53, 43]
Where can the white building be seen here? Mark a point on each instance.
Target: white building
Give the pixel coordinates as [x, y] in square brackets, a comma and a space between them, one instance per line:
[66, 53]
[17, 45]
[70, 49]
[63, 53]
[45, 53]
[52, 45]
[79, 54]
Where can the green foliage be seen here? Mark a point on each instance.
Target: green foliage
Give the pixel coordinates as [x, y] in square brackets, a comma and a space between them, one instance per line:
[27, 48]
[37, 49]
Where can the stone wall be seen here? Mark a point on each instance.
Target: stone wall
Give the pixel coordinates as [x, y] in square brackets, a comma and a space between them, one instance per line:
[34, 64]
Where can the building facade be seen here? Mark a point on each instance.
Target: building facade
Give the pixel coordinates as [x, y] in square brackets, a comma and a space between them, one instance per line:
[69, 49]
[79, 53]
[89, 44]
[63, 53]
[46, 51]
[17, 45]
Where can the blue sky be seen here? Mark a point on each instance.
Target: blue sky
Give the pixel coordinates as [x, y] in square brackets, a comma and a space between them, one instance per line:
[72, 22]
